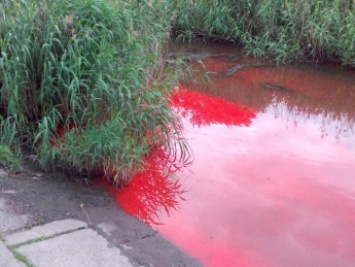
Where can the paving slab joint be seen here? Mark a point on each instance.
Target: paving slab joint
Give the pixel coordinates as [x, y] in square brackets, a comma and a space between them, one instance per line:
[42, 238]
[20, 229]
[44, 232]
[20, 257]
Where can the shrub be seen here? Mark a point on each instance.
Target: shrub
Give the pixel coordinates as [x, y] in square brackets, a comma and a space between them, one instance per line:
[82, 83]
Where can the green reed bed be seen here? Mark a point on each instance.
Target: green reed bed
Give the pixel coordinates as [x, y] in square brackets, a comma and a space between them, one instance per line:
[283, 29]
[82, 83]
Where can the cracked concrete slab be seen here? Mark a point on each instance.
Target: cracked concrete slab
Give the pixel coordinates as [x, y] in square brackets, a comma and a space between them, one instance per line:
[44, 231]
[107, 228]
[82, 248]
[9, 220]
[7, 259]
[53, 197]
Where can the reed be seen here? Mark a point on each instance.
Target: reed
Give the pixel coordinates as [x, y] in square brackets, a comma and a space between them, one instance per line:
[284, 30]
[82, 83]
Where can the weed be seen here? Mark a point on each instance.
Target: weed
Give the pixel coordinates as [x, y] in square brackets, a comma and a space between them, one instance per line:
[20, 257]
[8, 159]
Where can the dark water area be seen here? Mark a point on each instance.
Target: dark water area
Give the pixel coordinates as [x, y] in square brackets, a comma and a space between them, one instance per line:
[273, 177]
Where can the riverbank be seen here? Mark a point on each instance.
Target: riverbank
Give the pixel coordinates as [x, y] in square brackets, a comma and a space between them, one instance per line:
[286, 31]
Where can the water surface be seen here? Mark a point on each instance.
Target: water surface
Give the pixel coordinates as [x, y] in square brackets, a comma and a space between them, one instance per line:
[273, 177]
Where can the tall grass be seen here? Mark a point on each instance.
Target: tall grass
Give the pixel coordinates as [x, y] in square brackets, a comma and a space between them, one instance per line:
[82, 83]
[286, 30]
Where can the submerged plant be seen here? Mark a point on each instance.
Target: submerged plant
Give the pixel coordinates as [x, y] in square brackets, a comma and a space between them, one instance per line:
[82, 83]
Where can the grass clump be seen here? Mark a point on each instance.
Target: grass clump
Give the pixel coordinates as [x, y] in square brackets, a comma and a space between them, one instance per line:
[286, 30]
[82, 83]
[8, 159]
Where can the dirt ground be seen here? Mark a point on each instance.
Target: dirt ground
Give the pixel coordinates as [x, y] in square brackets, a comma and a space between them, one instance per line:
[46, 197]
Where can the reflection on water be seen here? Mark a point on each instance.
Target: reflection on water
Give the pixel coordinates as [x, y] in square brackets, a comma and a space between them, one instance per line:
[272, 182]
[152, 192]
[324, 94]
[157, 190]
[263, 194]
[277, 189]
[203, 110]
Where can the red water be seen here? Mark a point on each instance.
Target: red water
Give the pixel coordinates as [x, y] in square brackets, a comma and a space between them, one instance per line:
[273, 177]
[152, 192]
[203, 110]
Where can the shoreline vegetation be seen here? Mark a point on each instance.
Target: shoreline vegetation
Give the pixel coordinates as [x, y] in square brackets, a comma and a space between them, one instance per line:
[285, 31]
[84, 83]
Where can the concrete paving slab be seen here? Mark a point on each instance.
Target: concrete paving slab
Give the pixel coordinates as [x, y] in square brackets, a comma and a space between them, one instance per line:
[7, 259]
[10, 221]
[2, 173]
[44, 231]
[54, 197]
[107, 228]
[83, 248]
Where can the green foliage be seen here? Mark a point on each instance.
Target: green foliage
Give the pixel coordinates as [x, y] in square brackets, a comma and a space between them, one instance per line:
[82, 82]
[8, 159]
[286, 30]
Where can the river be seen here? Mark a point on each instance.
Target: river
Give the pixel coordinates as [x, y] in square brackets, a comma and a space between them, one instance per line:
[273, 177]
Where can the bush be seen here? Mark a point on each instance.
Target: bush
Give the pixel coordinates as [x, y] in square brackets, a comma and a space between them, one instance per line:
[285, 30]
[82, 83]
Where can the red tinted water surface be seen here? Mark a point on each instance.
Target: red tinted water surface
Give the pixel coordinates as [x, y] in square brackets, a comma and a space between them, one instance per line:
[273, 177]
[151, 192]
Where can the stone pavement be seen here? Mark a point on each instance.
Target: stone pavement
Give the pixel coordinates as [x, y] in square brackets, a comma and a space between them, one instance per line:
[56, 223]
[66, 243]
